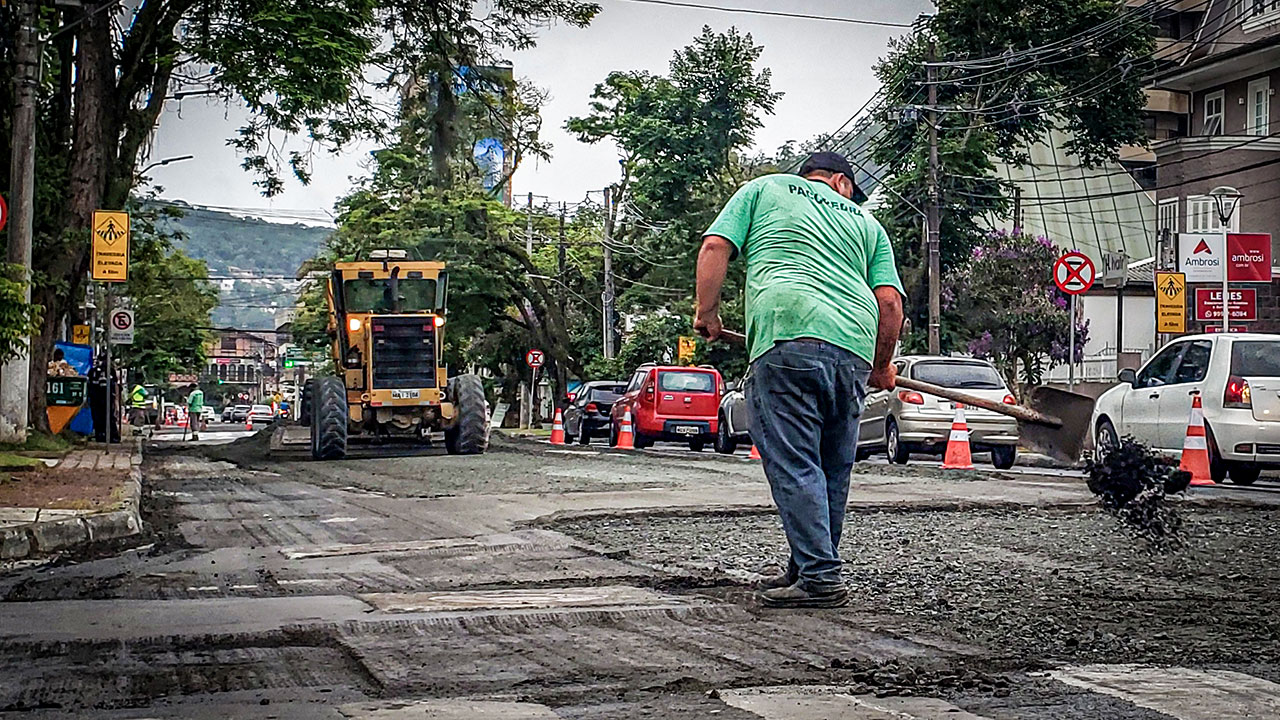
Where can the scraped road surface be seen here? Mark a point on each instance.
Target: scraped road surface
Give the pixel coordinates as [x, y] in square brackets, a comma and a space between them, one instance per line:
[539, 582]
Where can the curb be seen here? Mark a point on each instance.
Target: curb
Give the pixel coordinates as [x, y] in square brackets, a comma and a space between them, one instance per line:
[43, 538]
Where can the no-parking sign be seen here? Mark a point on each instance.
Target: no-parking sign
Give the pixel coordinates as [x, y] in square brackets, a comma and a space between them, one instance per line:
[1073, 273]
[120, 327]
[534, 358]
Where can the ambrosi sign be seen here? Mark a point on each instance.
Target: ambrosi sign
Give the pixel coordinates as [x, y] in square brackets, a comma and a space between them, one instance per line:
[1200, 256]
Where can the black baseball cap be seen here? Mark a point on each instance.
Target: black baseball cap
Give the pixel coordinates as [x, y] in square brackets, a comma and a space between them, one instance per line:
[836, 163]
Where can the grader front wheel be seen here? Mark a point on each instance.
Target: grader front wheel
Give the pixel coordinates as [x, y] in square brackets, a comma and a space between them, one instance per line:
[470, 434]
[329, 419]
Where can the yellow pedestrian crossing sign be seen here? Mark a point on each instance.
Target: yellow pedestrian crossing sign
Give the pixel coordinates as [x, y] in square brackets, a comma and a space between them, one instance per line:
[110, 246]
[80, 334]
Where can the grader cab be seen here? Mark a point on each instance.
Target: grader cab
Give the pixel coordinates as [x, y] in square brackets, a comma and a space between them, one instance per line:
[387, 320]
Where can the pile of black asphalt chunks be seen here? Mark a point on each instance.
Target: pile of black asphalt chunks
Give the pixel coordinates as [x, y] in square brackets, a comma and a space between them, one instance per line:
[1132, 484]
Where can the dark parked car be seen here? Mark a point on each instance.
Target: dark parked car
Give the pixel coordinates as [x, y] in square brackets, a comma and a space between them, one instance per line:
[588, 415]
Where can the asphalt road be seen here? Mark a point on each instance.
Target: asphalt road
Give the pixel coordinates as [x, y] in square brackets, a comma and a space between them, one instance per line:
[541, 582]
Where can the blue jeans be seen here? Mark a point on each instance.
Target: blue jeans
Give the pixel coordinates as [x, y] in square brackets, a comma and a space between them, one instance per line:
[805, 398]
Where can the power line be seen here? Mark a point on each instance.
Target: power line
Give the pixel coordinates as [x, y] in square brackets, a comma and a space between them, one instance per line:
[774, 13]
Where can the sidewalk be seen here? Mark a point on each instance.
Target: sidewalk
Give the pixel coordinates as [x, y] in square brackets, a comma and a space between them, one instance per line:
[91, 495]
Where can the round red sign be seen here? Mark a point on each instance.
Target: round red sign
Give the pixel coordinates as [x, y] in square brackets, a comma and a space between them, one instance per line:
[1073, 273]
[534, 358]
[4, 212]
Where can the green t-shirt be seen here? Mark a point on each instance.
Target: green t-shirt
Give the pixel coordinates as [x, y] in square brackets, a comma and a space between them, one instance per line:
[195, 401]
[813, 259]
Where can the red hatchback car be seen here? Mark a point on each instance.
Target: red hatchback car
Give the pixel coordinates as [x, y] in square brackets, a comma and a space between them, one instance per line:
[677, 404]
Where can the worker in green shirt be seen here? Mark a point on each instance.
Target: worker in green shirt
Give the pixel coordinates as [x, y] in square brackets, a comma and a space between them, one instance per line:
[823, 309]
[138, 406]
[195, 406]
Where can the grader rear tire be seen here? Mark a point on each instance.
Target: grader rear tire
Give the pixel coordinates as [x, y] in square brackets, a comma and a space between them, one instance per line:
[307, 402]
[329, 424]
[470, 435]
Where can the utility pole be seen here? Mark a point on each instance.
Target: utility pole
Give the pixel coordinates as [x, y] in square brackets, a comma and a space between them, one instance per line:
[608, 295]
[528, 227]
[14, 381]
[561, 261]
[933, 213]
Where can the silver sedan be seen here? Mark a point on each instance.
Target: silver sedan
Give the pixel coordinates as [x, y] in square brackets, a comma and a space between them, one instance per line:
[902, 422]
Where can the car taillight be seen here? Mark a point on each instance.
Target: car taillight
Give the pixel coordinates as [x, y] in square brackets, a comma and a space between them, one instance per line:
[911, 397]
[592, 407]
[1237, 394]
[1010, 400]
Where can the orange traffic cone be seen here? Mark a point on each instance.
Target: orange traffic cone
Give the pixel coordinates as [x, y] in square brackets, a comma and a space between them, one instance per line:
[248, 422]
[1195, 448]
[557, 429]
[755, 453]
[626, 438]
[958, 456]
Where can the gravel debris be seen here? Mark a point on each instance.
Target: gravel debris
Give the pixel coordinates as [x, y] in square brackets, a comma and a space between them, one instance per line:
[1029, 585]
[1132, 483]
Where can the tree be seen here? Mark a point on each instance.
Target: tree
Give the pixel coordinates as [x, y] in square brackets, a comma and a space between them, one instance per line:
[18, 318]
[172, 300]
[682, 139]
[1004, 300]
[1083, 79]
[297, 66]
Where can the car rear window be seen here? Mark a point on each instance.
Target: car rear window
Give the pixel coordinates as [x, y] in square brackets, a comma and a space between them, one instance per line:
[687, 382]
[1255, 358]
[972, 376]
[607, 394]
[261, 409]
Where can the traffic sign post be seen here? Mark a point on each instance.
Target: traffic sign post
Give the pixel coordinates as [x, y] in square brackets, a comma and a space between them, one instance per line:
[1073, 273]
[535, 359]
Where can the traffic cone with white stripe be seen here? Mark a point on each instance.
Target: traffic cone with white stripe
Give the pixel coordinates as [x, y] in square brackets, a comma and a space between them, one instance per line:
[958, 456]
[626, 437]
[248, 422]
[557, 429]
[1195, 448]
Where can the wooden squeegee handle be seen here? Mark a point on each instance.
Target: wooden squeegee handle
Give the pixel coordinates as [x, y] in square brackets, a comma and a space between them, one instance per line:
[1025, 414]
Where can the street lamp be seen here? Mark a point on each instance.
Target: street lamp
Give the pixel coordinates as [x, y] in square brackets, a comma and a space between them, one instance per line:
[166, 161]
[1225, 200]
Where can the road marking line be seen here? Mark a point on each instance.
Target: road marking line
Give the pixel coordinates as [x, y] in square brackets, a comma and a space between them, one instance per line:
[304, 581]
[461, 709]
[579, 597]
[244, 587]
[1183, 693]
[331, 520]
[204, 588]
[823, 702]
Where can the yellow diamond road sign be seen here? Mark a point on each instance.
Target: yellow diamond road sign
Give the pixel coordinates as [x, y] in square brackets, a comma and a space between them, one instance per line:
[110, 246]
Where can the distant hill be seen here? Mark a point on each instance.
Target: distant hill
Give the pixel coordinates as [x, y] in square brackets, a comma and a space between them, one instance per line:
[240, 251]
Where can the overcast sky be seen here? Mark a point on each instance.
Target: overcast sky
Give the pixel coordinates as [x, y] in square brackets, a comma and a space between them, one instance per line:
[824, 69]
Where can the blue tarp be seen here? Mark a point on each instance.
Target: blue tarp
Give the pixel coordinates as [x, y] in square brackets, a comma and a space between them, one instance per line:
[79, 357]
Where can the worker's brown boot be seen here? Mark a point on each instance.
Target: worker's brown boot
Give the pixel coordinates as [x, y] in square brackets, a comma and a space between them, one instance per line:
[796, 596]
[773, 582]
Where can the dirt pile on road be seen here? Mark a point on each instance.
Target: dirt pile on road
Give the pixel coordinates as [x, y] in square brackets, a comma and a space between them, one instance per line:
[1132, 484]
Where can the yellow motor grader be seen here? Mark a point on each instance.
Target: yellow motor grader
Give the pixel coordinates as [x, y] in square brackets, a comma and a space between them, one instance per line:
[387, 320]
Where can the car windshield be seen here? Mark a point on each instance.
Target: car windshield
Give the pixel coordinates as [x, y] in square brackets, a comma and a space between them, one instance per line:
[687, 382]
[1255, 358]
[374, 295]
[975, 376]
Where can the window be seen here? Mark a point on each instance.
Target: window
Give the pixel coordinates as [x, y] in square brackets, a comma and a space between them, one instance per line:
[366, 295]
[637, 380]
[1260, 9]
[974, 376]
[1167, 215]
[1202, 216]
[1195, 362]
[1258, 107]
[1255, 358]
[228, 342]
[689, 382]
[1160, 370]
[1213, 113]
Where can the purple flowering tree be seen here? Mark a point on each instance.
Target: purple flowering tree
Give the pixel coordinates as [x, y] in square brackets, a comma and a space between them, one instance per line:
[1004, 307]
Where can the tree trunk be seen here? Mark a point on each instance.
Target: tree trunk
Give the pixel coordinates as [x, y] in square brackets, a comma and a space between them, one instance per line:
[64, 268]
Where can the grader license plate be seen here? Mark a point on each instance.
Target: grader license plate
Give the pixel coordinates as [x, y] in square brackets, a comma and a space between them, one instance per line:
[404, 394]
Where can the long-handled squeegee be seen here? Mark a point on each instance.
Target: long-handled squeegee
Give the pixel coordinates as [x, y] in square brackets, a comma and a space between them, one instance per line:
[1054, 422]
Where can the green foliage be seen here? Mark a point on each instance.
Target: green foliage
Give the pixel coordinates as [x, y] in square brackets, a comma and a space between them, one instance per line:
[682, 139]
[18, 318]
[1094, 95]
[1004, 303]
[172, 300]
